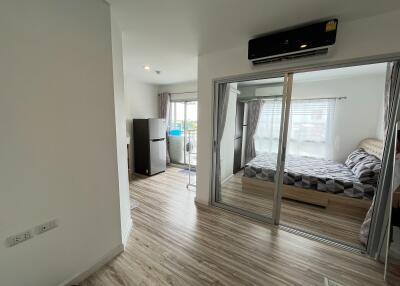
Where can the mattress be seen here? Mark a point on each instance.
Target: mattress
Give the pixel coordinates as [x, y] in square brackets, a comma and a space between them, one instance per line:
[313, 173]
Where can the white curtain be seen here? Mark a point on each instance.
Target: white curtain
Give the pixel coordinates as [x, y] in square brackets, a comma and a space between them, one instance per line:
[266, 137]
[311, 127]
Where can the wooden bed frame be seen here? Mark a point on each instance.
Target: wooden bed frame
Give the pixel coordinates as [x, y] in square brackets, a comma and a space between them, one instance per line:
[334, 204]
[341, 205]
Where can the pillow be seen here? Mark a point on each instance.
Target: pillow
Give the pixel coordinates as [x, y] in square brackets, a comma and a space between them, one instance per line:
[368, 167]
[355, 157]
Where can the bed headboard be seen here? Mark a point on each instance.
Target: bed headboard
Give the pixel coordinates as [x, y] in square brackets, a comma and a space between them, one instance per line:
[372, 146]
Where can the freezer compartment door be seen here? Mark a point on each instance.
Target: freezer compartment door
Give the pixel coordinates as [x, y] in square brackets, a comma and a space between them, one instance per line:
[158, 156]
[237, 155]
[157, 128]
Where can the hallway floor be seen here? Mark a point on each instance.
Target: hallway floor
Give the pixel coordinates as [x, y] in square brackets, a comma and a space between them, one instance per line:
[176, 242]
[309, 218]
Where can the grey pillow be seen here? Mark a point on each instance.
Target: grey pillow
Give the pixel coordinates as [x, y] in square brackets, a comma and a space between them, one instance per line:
[369, 166]
[355, 157]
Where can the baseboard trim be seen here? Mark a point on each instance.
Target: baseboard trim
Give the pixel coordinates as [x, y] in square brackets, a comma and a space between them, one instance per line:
[200, 202]
[100, 263]
[127, 232]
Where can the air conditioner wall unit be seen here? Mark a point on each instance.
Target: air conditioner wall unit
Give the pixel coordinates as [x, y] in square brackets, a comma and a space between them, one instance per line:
[307, 40]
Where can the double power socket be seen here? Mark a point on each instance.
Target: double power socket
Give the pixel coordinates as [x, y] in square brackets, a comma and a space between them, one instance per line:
[28, 234]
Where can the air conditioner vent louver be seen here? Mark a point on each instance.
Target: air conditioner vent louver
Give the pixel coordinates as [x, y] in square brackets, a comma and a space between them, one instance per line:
[292, 56]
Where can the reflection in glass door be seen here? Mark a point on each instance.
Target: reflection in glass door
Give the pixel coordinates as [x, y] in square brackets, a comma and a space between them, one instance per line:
[308, 162]
[182, 133]
[249, 151]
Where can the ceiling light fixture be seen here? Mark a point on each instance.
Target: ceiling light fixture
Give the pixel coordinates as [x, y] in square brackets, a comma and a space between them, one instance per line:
[303, 46]
[146, 67]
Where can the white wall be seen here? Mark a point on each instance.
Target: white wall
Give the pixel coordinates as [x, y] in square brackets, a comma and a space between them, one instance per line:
[181, 91]
[141, 102]
[264, 90]
[353, 41]
[227, 140]
[120, 122]
[142, 99]
[58, 148]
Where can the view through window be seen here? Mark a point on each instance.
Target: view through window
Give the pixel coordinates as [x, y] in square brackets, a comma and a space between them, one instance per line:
[182, 132]
[310, 124]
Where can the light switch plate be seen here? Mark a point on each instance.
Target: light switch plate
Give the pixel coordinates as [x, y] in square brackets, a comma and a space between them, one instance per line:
[46, 227]
[18, 238]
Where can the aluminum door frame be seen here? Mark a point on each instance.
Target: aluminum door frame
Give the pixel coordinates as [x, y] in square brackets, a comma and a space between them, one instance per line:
[280, 167]
[285, 110]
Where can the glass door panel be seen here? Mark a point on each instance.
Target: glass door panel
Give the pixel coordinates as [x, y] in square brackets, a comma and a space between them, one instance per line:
[182, 133]
[191, 133]
[176, 133]
[248, 156]
[333, 114]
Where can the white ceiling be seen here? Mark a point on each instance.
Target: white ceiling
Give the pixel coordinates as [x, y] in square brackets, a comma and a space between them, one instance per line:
[328, 74]
[168, 35]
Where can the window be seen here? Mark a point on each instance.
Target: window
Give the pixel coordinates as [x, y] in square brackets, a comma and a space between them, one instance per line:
[177, 117]
[310, 133]
[266, 138]
[182, 129]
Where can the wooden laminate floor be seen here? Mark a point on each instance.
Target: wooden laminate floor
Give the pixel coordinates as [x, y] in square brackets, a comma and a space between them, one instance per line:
[306, 217]
[175, 242]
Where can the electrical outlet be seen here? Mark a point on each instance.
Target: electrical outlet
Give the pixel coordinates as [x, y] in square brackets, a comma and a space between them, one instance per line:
[46, 226]
[18, 238]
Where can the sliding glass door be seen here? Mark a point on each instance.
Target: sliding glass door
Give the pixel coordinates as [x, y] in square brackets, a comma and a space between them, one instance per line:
[191, 133]
[304, 150]
[334, 151]
[182, 134]
[250, 121]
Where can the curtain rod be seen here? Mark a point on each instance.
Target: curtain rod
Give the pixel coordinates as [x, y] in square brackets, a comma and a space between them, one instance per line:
[195, 91]
[184, 92]
[278, 96]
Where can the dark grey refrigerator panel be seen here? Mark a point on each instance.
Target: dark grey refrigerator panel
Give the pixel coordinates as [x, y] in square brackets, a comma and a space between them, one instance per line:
[237, 155]
[239, 136]
[149, 146]
[239, 119]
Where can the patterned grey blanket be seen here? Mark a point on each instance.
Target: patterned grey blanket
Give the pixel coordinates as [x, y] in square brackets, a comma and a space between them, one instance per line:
[312, 173]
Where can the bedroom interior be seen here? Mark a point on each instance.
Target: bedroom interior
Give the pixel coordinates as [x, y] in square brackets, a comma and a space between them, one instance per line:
[333, 158]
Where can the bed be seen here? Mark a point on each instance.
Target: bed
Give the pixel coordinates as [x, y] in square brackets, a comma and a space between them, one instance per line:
[336, 186]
